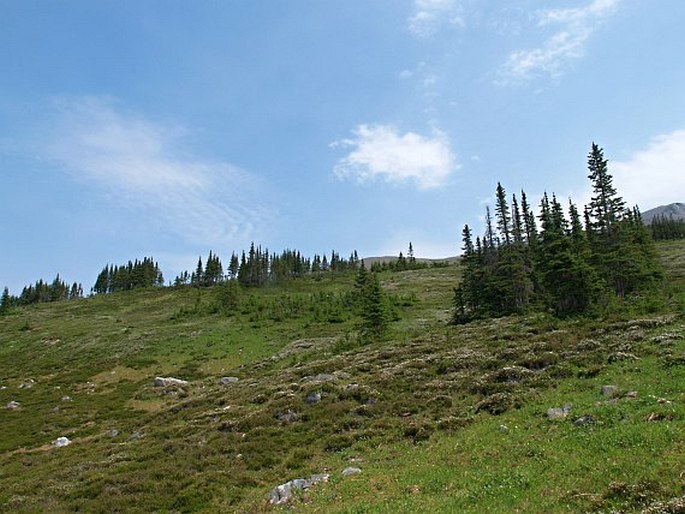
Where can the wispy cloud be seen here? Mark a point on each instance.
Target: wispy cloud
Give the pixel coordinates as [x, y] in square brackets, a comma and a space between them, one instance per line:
[430, 16]
[138, 164]
[653, 176]
[565, 45]
[380, 151]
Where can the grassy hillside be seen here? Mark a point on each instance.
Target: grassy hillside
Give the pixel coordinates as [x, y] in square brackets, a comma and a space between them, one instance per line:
[438, 418]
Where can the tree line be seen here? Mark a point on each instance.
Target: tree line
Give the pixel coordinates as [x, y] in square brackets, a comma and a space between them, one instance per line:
[259, 267]
[41, 292]
[666, 228]
[569, 265]
[132, 275]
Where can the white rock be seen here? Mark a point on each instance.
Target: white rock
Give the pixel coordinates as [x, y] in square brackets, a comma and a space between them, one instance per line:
[351, 471]
[61, 442]
[13, 405]
[169, 382]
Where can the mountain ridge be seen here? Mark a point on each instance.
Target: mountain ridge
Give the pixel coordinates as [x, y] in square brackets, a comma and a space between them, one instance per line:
[676, 210]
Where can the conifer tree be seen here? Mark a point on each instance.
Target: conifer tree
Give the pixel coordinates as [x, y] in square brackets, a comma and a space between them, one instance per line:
[6, 301]
[502, 213]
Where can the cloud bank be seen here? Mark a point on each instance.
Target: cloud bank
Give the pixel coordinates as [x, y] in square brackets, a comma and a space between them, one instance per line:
[136, 164]
[566, 44]
[653, 176]
[380, 152]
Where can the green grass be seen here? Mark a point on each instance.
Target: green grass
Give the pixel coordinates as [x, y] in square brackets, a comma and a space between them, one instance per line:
[421, 411]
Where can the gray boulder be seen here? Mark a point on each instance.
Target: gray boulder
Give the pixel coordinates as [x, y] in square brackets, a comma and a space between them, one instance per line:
[313, 398]
[321, 377]
[13, 405]
[558, 412]
[609, 390]
[588, 419]
[351, 471]
[228, 380]
[284, 492]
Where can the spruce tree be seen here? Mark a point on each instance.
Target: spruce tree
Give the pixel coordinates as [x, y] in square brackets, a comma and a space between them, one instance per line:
[6, 301]
[502, 213]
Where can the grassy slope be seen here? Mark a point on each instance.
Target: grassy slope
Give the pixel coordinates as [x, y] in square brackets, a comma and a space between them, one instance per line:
[414, 412]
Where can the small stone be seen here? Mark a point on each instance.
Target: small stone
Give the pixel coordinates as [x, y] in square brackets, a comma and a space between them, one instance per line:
[66, 398]
[288, 416]
[556, 413]
[135, 436]
[351, 471]
[313, 398]
[228, 380]
[321, 377]
[60, 442]
[112, 433]
[503, 429]
[13, 405]
[585, 420]
[609, 390]
[631, 394]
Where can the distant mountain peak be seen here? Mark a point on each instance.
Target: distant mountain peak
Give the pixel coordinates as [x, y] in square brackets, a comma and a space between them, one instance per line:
[672, 210]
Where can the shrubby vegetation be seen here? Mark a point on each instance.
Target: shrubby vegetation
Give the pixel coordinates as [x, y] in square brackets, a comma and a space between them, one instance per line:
[568, 266]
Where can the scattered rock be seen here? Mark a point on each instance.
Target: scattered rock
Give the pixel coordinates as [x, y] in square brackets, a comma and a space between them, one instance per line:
[27, 385]
[112, 433]
[587, 419]
[135, 436]
[351, 471]
[13, 405]
[169, 382]
[321, 377]
[503, 429]
[313, 398]
[631, 394]
[673, 506]
[284, 492]
[66, 398]
[61, 442]
[288, 416]
[609, 390]
[558, 412]
[228, 380]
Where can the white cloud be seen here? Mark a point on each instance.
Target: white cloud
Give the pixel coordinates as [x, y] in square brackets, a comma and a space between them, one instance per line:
[379, 151]
[137, 164]
[567, 44]
[653, 176]
[429, 16]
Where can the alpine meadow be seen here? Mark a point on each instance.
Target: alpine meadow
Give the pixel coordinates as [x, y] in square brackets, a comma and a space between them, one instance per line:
[342, 257]
[540, 372]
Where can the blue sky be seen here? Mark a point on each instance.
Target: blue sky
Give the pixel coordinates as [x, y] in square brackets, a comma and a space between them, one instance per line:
[170, 128]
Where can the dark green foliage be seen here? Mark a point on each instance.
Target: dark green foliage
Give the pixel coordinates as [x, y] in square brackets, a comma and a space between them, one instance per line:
[133, 275]
[6, 302]
[372, 305]
[42, 292]
[663, 228]
[566, 268]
